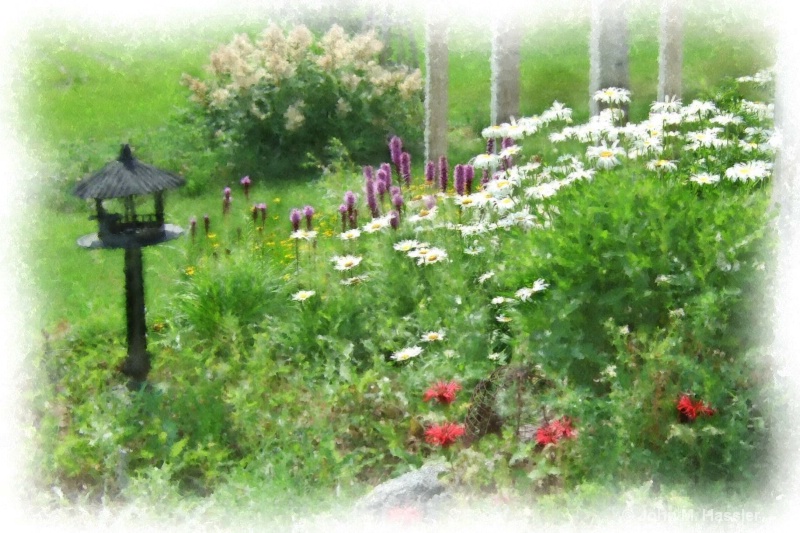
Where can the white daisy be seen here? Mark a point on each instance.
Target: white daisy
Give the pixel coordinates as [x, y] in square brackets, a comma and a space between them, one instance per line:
[432, 336]
[704, 178]
[407, 353]
[302, 296]
[346, 262]
[350, 235]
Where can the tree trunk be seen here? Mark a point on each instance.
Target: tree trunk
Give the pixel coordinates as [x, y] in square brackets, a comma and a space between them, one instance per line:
[436, 82]
[608, 49]
[670, 50]
[506, 44]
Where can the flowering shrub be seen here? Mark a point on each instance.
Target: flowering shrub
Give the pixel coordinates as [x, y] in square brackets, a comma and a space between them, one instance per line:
[288, 92]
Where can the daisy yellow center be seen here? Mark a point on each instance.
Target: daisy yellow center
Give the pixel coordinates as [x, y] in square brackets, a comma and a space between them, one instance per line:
[348, 263]
[606, 153]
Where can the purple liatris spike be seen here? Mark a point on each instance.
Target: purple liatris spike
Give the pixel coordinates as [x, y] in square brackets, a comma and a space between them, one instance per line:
[398, 202]
[353, 218]
[263, 208]
[245, 181]
[394, 219]
[387, 168]
[308, 212]
[226, 201]
[368, 170]
[460, 181]
[206, 224]
[405, 168]
[295, 217]
[395, 149]
[350, 200]
[429, 172]
[485, 177]
[395, 190]
[469, 177]
[380, 184]
[443, 173]
[507, 142]
[490, 145]
[430, 202]
[372, 202]
[343, 212]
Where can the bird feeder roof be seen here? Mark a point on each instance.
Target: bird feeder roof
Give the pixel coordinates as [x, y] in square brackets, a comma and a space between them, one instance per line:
[126, 176]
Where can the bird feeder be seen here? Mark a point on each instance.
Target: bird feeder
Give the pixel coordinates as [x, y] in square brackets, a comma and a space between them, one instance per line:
[123, 180]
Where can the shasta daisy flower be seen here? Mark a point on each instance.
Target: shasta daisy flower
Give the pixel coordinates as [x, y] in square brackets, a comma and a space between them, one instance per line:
[605, 156]
[750, 171]
[704, 178]
[407, 353]
[433, 255]
[613, 95]
[346, 262]
[406, 246]
[302, 296]
[355, 280]
[432, 336]
[350, 235]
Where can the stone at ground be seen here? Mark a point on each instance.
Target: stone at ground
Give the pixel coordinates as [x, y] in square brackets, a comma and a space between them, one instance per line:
[419, 489]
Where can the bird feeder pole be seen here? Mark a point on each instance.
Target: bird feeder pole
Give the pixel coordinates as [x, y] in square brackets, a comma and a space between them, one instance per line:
[126, 178]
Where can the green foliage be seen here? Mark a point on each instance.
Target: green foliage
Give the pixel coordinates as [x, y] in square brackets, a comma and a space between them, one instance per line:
[287, 93]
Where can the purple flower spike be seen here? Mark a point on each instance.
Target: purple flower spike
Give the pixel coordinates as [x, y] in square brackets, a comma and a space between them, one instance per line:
[460, 180]
[429, 172]
[469, 177]
[394, 219]
[368, 170]
[395, 190]
[245, 181]
[398, 202]
[380, 185]
[443, 173]
[353, 218]
[372, 202]
[405, 168]
[387, 168]
[226, 201]
[295, 217]
[485, 177]
[350, 200]
[490, 145]
[308, 212]
[206, 224]
[430, 202]
[395, 149]
[343, 212]
[263, 208]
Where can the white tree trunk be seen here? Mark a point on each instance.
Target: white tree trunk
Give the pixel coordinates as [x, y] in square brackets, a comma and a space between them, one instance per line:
[505, 60]
[608, 48]
[436, 82]
[670, 50]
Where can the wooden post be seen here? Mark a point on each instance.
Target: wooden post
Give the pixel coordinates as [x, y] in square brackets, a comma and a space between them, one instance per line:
[137, 364]
[670, 50]
[436, 82]
[505, 60]
[608, 49]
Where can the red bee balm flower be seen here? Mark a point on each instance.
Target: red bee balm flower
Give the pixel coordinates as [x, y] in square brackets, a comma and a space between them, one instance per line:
[442, 392]
[443, 434]
[554, 431]
[689, 410]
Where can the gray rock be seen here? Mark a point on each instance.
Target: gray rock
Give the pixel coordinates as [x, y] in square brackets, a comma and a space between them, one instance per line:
[420, 488]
